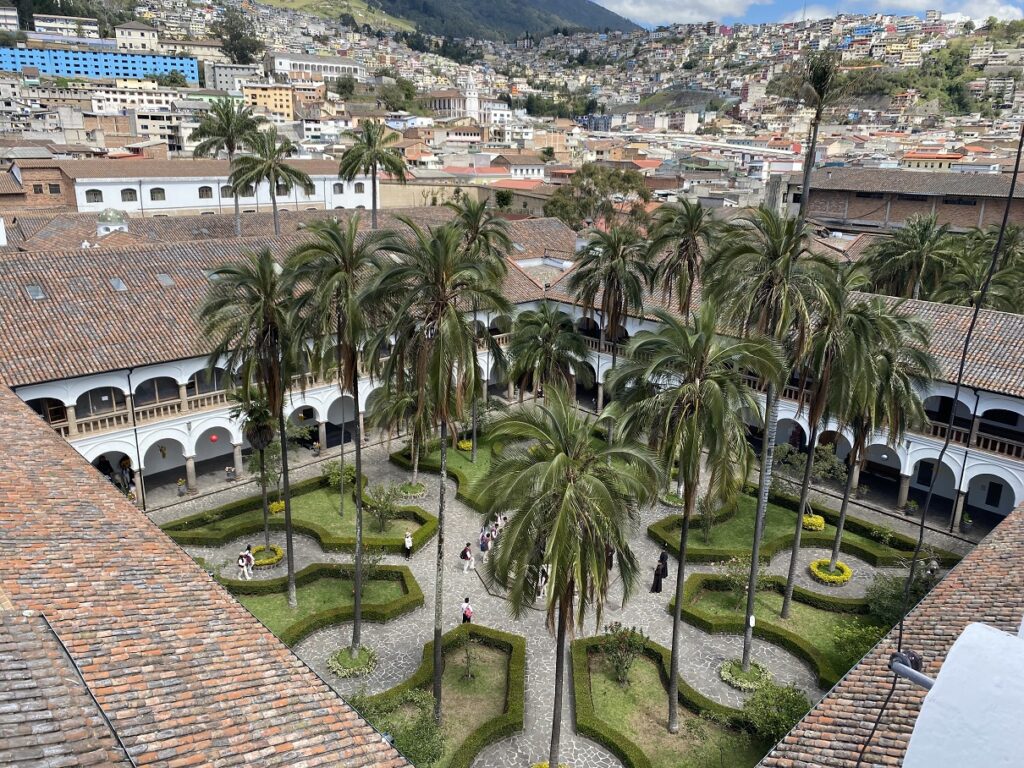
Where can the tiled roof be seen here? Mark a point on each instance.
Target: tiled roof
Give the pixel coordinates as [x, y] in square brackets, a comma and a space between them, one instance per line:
[986, 586]
[160, 169]
[82, 326]
[186, 676]
[48, 717]
[913, 182]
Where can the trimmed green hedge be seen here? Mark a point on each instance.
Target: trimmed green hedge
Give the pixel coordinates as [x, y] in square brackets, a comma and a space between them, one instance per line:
[603, 732]
[462, 483]
[378, 612]
[510, 721]
[188, 530]
[872, 552]
[828, 675]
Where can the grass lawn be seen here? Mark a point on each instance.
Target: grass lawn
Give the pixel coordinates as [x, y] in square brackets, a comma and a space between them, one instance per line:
[460, 460]
[320, 507]
[640, 711]
[467, 703]
[738, 531]
[816, 626]
[320, 595]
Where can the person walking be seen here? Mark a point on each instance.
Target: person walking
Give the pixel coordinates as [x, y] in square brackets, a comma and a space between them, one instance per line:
[467, 612]
[542, 581]
[467, 557]
[660, 571]
[408, 545]
[245, 562]
[485, 543]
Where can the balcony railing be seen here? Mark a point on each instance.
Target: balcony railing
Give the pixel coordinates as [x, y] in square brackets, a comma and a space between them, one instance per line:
[157, 411]
[104, 423]
[208, 400]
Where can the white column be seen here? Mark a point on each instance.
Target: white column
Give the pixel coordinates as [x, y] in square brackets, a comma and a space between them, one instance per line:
[190, 474]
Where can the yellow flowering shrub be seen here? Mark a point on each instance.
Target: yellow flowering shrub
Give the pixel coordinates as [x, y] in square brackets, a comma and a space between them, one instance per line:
[820, 572]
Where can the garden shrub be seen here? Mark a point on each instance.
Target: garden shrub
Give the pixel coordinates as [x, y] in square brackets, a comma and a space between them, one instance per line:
[275, 507]
[820, 572]
[773, 710]
[381, 502]
[417, 737]
[670, 499]
[856, 638]
[264, 559]
[885, 594]
[732, 674]
[343, 665]
[813, 522]
[331, 472]
[737, 578]
[621, 646]
[465, 445]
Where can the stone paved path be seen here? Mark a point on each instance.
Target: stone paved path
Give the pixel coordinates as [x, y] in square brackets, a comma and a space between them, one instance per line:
[400, 643]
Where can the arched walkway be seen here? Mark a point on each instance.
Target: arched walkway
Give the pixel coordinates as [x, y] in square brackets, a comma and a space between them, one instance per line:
[586, 395]
[338, 425]
[791, 432]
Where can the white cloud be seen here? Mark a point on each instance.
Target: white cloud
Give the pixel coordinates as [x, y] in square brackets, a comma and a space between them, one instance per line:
[656, 12]
[812, 13]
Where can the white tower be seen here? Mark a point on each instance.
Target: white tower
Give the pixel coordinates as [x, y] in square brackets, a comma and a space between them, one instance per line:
[472, 100]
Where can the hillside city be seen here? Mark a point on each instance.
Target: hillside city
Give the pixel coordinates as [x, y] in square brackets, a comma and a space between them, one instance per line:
[391, 384]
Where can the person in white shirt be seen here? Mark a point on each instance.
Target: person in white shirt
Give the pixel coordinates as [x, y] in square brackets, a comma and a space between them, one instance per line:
[408, 545]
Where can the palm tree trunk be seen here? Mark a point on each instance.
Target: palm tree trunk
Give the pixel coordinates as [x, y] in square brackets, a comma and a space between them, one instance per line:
[847, 490]
[266, 508]
[293, 600]
[474, 416]
[341, 453]
[238, 211]
[805, 492]
[805, 189]
[438, 587]
[564, 606]
[373, 194]
[767, 454]
[673, 683]
[357, 622]
[273, 205]
[415, 457]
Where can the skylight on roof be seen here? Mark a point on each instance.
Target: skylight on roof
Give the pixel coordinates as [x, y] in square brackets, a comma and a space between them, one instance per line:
[35, 292]
[164, 279]
[118, 284]
[519, 247]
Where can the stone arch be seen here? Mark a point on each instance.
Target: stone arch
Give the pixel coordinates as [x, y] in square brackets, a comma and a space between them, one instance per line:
[587, 395]
[892, 458]
[499, 324]
[100, 401]
[50, 409]
[838, 439]
[205, 381]
[989, 491]
[303, 413]
[370, 397]
[214, 441]
[231, 430]
[938, 406]
[1014, 481]
[341, 410]
[588, 327]
[77, 387]
[618, 334]
[925, 474]
[165, 454]
[156, 390]
[791, 430]
[122, 447]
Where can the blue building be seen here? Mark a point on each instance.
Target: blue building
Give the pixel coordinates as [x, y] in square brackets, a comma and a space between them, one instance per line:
[106, 64]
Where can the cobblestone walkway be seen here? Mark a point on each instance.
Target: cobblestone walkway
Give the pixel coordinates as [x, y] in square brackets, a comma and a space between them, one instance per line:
[400, 643]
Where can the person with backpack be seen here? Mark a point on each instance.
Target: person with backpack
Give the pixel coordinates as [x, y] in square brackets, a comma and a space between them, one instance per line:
[467, 556]
[467, 612]
[245, 563]
[485, 543]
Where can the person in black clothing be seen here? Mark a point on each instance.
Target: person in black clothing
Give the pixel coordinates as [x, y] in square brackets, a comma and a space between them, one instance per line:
[660, 571]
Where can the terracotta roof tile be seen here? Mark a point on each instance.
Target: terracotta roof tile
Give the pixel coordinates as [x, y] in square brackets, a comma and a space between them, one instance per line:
[183, 672]
[987, 586]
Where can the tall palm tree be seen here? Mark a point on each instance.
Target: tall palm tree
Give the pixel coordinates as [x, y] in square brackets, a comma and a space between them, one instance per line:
[258, 429]
[430, 283]
[396, 408]
[333, 268]
[682, 231]
[885, 392]
[610, 278]
[840, 340]
[225, 128]
[485, 234]
[688, 387]
[268, 162]
[247, 317]
[371, 153]
[963, 279]
[766, 280]
[547, 346]
[910, 262]
[819, 88]
[568, 497]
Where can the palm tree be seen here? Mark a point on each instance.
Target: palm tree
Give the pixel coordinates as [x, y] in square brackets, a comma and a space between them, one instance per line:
[910, 262]
[963, 279]
[568, 497]
[268, 163]
[885, 392]
[610, 277]
[372, 152]
[766, 280]
[840, 339]
[397, 408]
[333, 266]
[247, 317]
[485, 234]
[683, 231]
[225, 128]
[427, 288]
[547, 346]
[258, 429]
[820, 88]
[688, 388]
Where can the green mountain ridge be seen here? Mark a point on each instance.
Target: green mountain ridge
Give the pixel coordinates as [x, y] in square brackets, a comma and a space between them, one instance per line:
[503, 19]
